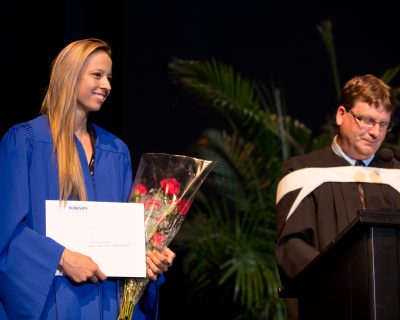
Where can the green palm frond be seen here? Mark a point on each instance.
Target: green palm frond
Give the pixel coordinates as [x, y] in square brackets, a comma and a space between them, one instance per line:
[233, 248]
[219, 87]
[254, 111]
[325, 30]
[390, 74]
[216, 84]
[231, 241]
[240, 171]
[204, 236]
[240, 226]
[220, 147]
[388, 77]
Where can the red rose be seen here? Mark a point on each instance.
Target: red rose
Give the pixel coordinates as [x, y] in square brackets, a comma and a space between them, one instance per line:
[170, 186]
[139, 189]
[157, 239]
[183, 207]
[152, 204]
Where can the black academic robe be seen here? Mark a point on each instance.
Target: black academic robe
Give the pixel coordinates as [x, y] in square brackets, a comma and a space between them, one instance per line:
[324, 213]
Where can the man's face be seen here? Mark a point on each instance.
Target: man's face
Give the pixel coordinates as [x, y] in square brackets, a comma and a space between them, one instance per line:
[358, 140]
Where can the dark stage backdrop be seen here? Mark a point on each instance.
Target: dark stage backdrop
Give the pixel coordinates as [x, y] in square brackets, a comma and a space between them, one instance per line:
[263, 40]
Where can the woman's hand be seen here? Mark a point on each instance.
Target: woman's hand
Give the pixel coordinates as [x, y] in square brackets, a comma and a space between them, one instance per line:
[158, 263]
[80, 268]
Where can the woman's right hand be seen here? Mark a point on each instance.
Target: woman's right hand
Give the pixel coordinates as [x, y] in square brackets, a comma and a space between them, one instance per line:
[80, 268]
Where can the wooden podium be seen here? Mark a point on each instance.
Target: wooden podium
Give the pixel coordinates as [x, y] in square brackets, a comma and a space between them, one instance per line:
[357, 276]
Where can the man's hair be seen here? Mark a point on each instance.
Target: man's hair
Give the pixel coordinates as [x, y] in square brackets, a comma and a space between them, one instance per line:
[368, 89]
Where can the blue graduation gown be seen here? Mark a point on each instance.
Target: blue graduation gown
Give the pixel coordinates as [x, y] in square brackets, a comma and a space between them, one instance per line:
[29, 288]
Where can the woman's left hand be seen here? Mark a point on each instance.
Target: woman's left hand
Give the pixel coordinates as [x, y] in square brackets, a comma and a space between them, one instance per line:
[158, 263]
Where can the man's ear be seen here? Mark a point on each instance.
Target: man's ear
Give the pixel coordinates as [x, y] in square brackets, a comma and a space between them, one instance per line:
[340, 112]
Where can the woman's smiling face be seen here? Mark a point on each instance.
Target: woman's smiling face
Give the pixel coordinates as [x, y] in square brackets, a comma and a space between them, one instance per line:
[94, 82]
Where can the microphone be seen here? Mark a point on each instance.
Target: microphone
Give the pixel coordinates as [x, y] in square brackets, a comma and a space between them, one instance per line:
[390, 155]
[386, 154]
[396, 152]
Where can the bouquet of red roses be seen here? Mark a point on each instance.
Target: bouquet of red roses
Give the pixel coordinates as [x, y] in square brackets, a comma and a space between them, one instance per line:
[166, 185]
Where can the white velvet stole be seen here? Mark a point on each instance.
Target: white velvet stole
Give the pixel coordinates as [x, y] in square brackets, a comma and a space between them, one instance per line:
[308, 179]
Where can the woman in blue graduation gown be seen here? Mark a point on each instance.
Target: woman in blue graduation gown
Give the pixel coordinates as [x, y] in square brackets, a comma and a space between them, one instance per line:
[60, 155]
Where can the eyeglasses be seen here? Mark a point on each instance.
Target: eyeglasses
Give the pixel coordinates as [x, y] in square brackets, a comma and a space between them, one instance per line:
[370, 123]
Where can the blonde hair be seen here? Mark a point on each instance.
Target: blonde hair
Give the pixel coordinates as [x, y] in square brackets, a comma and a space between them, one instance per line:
[59, 104]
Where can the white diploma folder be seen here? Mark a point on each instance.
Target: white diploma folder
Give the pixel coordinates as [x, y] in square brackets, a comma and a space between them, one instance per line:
[111, 233]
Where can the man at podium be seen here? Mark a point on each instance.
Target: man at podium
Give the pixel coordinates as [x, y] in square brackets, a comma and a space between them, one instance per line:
[320, 193]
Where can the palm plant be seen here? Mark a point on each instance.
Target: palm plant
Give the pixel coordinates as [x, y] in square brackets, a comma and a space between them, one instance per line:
[230, 241]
